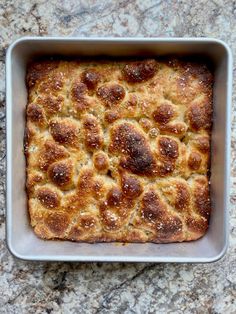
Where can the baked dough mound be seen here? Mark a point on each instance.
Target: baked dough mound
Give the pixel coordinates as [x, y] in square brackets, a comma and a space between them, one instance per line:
[118, 150]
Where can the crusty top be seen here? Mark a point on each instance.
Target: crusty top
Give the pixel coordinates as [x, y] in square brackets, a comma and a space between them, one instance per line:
[118, 150]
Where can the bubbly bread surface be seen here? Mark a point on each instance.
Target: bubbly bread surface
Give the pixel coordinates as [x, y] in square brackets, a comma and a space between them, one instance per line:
[118, 150]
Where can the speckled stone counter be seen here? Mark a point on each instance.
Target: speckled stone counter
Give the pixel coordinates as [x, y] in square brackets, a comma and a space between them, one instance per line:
[28, 287]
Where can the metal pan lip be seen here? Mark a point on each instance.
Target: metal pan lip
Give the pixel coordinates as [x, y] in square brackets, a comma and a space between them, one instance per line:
[9, 182]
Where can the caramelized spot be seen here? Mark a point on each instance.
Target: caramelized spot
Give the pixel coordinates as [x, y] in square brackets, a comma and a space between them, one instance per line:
[35, 113]
[78, 91]
[85, 181]
[87, 222]
[51, 105]
[203, 144]
[57, 223]
[54, 83]
[168, 148]
[165, 168]
[90, 78]
[140, 71]
[194, 161]
[202, 199]
[111, 116]
[48, 198]
[63, 132]
[60, 173]
[114, 197]
[39, 70]
[100, 161]
[51, 152]
[200, 116]
[142, 164]
[178, 128]
[131, 187]
[182, 200]
[199, 225]
[128, 141]
[146, 124]
[92, 130]
[163, 114]
[111, 94]
[152, 208]
[78, 94]
[168, 227]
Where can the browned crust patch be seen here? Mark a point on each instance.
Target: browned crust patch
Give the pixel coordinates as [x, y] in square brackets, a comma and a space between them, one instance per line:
[119, 150]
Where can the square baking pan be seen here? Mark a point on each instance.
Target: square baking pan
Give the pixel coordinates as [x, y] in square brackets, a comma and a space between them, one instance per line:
[21, 240]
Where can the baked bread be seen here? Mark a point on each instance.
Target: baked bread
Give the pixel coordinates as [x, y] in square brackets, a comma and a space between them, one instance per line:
[118, 150]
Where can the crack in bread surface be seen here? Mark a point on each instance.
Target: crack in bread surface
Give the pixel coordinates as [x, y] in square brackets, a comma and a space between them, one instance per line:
[119, 150]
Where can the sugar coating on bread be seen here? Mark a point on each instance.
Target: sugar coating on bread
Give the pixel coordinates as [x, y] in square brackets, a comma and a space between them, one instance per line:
[118, 150]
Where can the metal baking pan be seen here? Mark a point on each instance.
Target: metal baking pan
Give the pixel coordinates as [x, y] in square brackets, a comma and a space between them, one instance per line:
[21, 240]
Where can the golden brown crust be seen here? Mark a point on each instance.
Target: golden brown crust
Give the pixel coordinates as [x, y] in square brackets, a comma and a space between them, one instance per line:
[140, 71]
[36, 114]
[101, 161]
[200, 116]
[60, 173]
[163, 113]
[133, 146]
[92, 133]
[38, 71]
[91, 78]
[118, 151]
[51, 105]
[64, 132]
[48, 198]
[111, 95]
[49, 153]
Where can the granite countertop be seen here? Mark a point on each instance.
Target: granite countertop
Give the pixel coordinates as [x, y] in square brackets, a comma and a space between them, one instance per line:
[28, 287]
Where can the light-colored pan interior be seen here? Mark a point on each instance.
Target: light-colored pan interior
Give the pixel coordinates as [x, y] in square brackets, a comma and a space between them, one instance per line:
[20, 237]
